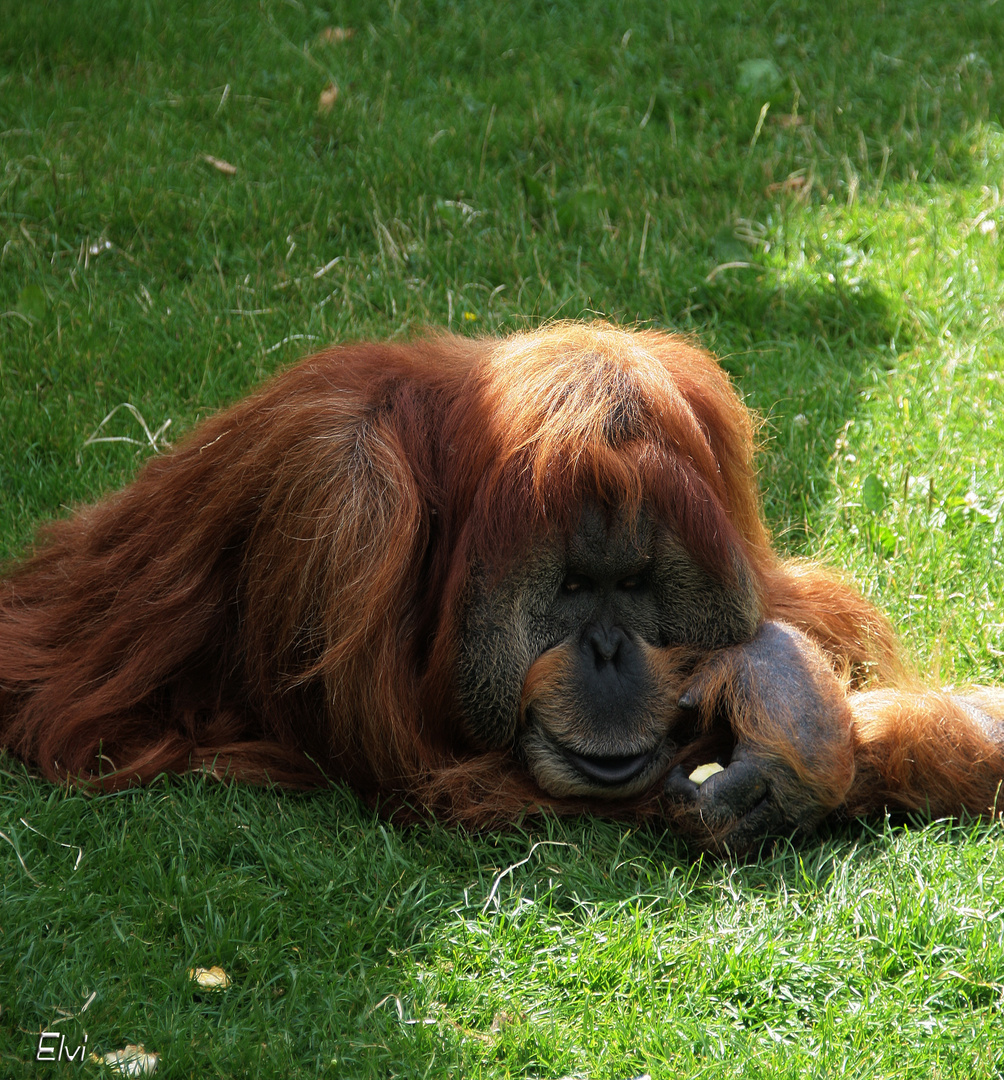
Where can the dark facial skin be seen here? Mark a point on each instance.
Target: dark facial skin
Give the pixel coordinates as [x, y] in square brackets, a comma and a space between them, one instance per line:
[565, 659]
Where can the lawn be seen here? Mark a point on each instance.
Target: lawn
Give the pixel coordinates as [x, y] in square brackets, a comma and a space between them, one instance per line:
[195, 193]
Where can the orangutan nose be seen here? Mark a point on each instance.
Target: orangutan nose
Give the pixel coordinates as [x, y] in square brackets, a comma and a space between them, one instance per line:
[605, 643]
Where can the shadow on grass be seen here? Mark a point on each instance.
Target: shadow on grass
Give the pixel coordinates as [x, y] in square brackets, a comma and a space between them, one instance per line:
[801, 351]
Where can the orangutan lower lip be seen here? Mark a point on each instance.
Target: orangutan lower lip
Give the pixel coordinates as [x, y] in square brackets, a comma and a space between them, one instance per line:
[612, 769]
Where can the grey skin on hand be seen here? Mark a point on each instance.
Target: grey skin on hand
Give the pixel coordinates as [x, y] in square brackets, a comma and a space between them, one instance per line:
[792, 761]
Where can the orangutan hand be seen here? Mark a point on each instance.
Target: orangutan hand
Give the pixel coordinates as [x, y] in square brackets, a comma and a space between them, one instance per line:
[793, 759]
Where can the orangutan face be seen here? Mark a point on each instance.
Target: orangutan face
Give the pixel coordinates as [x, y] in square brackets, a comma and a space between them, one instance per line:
[573, 657]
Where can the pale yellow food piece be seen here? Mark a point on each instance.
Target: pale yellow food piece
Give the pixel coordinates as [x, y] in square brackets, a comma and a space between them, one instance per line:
[132, 1060]
[214, 978]
[702, 772]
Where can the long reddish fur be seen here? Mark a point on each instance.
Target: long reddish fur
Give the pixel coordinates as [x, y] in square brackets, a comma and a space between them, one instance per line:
[275, 599]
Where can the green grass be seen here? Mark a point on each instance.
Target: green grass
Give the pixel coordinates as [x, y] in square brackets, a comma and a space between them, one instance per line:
[489, 167]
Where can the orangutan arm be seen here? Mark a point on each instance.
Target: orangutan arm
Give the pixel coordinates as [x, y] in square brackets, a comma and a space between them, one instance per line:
[804, 746]
[927, 750]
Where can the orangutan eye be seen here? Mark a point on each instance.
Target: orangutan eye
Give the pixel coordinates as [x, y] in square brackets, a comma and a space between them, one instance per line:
[575, 583]
[628, 583]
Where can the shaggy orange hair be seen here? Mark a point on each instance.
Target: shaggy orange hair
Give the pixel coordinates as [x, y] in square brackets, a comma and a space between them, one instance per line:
[277, 598]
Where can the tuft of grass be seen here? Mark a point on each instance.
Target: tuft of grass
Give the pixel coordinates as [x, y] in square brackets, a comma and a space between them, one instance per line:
[813, 190]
